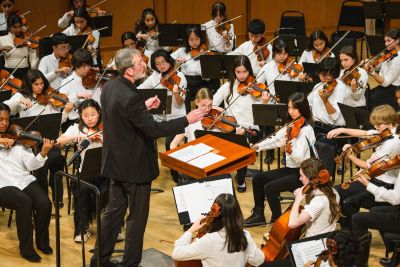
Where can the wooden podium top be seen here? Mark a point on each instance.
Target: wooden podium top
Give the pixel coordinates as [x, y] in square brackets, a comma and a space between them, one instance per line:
[236, 157]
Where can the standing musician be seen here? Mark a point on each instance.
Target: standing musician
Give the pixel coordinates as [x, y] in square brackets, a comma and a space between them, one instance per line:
[20, 191]
[130, 155]
[225, 243]
[221, 39]
[194, 45]
[7, 8]
[356, 196]
[82, 24]
[57, 66]
[318, 46]
[389, 73]
[12, 54]
[357, 81]
[258, 59]
[239, 105]
[296, 137]
[162, 63]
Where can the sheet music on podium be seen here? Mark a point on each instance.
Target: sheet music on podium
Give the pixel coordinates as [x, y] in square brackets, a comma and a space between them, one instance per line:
[199, 155]
[194, 199]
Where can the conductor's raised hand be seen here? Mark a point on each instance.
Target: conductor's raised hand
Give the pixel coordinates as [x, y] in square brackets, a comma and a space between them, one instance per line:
[195, 116]
[152, 102]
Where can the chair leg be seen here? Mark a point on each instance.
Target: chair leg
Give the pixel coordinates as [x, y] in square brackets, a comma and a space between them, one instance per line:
[10, 218]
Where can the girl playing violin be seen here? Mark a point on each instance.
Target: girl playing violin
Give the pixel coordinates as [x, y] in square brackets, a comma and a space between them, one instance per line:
[256, 31]
[221, 42]
[147, 30]
[297, 136]
[12, 54]
[82, 24]
[89, 127]
[6, 7]
[356, 196]
[20, 191]
[357, 81]
[240, 105]
[194, 44]
[57, 66]
[389, 74]
[162, 63]
[65, 20]
[318, 45]
[225, 242]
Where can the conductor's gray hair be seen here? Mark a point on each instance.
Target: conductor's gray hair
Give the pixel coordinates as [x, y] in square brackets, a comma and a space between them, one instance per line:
[123, 59]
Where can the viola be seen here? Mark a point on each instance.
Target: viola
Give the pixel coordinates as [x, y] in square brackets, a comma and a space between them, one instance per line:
[225, 124]
[293, 69]
[170, 79]
[52, 97]
[249, 86]
[366, 143]
[376, 169]
[13, 84]
[292, 132]
[349, 75]
[318, 55]
[261, 50]
[382, 58]
[29, 139]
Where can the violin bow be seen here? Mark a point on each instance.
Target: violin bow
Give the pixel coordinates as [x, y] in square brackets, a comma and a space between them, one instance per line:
[102, 75]
[330, 50]
[279, 75]
[11, 74]
[22, 15]
[57, 90]
[88, 35]
[99, 3]
[224, 22]
[32, 34]
[377, 56]
[156, 36]
[253, 52]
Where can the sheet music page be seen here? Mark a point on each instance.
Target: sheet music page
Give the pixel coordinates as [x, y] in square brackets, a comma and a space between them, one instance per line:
[179, 198]
[190, 152]
[305, 251]
[206, 160]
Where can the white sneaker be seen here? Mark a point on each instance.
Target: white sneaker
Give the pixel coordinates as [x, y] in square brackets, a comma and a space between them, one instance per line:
[86, 236]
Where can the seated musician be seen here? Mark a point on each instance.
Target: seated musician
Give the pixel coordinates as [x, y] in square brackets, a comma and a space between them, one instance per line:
[356, 196]
[224, 243]
[65, 20]
[318, 45]
[7, 7]
[20, 191]
[271, 183]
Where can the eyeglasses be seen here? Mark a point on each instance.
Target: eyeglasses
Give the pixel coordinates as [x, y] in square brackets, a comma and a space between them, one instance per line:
[7, 6]
[158, 64]
[65, 47]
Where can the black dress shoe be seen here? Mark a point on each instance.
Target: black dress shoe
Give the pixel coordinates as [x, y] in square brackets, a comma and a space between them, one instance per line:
[268, 160]
[386, 262]
[241, 189]
[33, 257]
[46, 250]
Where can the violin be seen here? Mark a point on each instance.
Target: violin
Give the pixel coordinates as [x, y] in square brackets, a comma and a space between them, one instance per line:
[27, 40]
[13, 84]
[90, 38]
[201, 50]
[261, 50]
[52, 97]
[95, 11]
[366, 143]
[90, 80]
[318, 55]
[292, 132]
[331, 248]
[249, 86]
[349, 75]
[170, 79]
[95, 132]
[293, 69]
[222, 27]
[328, 88]
[29, 139]
[226, 124]
[376, 169]
[153, 32]
[382, 57]
[65, 62]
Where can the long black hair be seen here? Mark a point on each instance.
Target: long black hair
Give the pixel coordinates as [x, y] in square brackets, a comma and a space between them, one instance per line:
[82, 13]
[141, 24]
[161, 53]
[231, 218]
[196, 31]
[86, 104]
[12, 20]
[239, 61]
[317, 35]
[218, 8]
[30, 78]
[300, 102]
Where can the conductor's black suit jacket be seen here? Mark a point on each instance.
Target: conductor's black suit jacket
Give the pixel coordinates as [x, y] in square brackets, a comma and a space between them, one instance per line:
[129, 150]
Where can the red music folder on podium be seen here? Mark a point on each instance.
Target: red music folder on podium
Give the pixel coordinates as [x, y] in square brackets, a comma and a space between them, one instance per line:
[208, 156]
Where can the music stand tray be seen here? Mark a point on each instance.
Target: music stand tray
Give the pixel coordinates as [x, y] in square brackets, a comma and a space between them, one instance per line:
[356, 118]
[5, 95]
[101, 22]
[269, 115]
[375, 44]
[48, 125]
[164, 107]
[231, 137]
[283, 89]
[217, 66]
[235, 157]
[91, 166]
[174, 34]
[311, 69]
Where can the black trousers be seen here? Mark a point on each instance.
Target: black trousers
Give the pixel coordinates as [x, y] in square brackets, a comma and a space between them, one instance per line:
[123, 195]
[384, 219]
[271, 184]
[354, 198]
[55, 162]
[25, 202]
[383, 95]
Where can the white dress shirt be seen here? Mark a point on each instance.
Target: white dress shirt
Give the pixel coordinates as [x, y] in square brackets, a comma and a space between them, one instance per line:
[153, 81]
[190, 68]
[215, 40]
[64, 21]
[17, 107]
[382, 194]
[246, 49]
[241, 109]
[357, 98]
[212, 250]
[16, 165]
[307, 57]
[3, 22]
[318, 108]
[48, 66]
[15, 55]
[300, 147]
[153, 44]
[390, 70]
[71, 89]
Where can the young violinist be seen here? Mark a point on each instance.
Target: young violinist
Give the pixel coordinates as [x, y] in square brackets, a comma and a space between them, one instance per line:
[318, 46]
[225, 242]
[13, 54]
[194, 46]
[256, 31]
[82, 25]
[220, 39]
[239, 104]
[356, 83]
[72, 86]
[6, 7]
[356, 196]
[88, 127]
[57, 66]
[20, 191]
[163, 64]
[297, 137]
[65, 20]
[389, 73]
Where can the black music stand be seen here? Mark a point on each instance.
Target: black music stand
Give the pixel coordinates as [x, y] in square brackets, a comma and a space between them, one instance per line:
[101, 22]
[231, 137]
[46, 44]
[5, 95]
[217, 66]
[297, 44]
[283, 89]
[48, 125]
[355, 118]
[270, 115]
[312, 70]
[375, 44]
[174, 34]
[165, 100]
